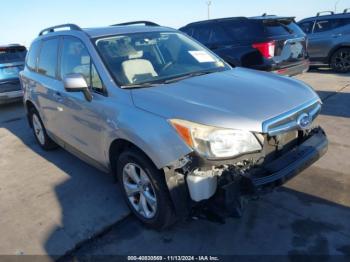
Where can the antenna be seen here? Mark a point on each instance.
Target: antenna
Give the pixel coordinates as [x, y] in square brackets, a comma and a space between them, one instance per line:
[336, 5]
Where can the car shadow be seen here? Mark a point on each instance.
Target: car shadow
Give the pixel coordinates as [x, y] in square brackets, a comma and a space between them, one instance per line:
[335, 103]
[87, 201]
[286, 223]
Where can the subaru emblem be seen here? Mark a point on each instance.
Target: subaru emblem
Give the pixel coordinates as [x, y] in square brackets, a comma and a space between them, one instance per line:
[304, 121]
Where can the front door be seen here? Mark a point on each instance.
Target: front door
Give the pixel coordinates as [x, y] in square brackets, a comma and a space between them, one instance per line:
[83, 119]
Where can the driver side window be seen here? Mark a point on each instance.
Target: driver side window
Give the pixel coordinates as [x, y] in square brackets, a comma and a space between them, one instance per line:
[75, 59]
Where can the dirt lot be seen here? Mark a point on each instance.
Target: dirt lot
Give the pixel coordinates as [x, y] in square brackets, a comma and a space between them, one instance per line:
[50, 202]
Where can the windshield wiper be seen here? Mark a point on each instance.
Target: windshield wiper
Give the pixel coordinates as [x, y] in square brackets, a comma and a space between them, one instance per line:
[146, 84]
[189, 75]
[171, 80]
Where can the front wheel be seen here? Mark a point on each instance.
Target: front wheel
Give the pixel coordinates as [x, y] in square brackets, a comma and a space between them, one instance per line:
[145, 189]
[340, 61]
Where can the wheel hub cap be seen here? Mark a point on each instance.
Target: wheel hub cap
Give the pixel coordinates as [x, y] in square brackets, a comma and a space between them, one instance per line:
[139, 190]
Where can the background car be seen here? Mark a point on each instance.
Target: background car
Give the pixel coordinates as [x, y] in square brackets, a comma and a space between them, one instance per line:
[268, 43]
[11, 63]
[329, 40]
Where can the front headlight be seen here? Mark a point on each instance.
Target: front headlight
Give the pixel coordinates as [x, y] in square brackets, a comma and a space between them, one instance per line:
[213, 142]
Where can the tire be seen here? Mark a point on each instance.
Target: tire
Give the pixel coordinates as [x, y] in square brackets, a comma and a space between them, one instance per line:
[340, 60]
[144, 189]
[40, 133]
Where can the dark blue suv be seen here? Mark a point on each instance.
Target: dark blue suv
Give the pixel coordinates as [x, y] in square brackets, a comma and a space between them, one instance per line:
[266, 42]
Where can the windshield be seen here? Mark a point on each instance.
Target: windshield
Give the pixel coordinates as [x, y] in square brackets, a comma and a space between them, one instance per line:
[12, 54]
[155, 57]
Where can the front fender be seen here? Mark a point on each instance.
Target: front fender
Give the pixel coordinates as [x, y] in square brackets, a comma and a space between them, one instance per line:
[153, 134]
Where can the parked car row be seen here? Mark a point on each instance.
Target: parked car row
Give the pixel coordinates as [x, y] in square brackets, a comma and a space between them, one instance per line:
[269, 43]
[176, 124]
[278, 44]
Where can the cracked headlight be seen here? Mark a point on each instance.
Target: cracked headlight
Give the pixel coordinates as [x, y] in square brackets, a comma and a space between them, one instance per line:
[213, 142]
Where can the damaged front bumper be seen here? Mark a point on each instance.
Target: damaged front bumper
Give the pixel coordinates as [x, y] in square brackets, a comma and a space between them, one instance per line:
[291, 163]
[198, 180]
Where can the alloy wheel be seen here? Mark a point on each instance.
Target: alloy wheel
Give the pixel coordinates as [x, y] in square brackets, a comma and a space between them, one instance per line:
[140, 191]
[38, 129]
[342, 60]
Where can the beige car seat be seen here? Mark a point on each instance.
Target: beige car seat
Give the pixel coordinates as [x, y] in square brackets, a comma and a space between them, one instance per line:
[136, 70]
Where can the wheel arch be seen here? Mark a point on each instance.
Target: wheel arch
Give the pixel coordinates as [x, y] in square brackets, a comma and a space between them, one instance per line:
[118, 146]
[29, 105]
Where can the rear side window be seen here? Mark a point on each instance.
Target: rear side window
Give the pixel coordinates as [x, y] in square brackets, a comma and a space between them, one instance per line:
[202, 33]
[340, 22]
[32, 56]
[187, 30]
[324, 25]
[236, 31]
[48, 57]
[12, 54]
[221, 35]
[330, 24]
[282, 27]
[307, 26]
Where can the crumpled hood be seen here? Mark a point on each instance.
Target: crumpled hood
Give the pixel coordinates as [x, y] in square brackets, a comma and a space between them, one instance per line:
[238, 98]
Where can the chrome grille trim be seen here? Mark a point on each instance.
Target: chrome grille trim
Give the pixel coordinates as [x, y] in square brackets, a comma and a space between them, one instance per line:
[288, 121]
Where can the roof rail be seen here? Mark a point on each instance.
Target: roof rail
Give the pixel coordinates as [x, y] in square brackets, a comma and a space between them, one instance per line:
[323, 12]
[147, 23]
[347, 10]
[52, 29]
[217, 20]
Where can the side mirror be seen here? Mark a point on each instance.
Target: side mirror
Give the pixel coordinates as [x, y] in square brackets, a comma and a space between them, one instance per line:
[77, 83]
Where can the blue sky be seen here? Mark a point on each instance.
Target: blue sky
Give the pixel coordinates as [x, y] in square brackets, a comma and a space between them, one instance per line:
[21, 20]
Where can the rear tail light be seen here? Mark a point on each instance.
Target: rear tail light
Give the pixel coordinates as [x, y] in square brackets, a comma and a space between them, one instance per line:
[266, 49]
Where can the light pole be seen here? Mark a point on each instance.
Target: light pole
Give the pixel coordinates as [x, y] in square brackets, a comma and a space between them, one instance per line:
[336, 6]
[209, 4]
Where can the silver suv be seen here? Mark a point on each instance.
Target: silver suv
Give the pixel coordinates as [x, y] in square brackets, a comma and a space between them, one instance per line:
[176, 124]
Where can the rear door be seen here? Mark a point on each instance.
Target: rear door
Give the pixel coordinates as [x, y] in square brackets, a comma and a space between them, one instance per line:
[323, 38]
[11, 63]
[290, 41]
[47, 87]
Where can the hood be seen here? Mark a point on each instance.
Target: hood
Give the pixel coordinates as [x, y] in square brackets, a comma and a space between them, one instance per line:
[238, 98]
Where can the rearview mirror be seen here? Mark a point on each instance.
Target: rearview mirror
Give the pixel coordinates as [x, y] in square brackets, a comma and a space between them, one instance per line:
[77, 83]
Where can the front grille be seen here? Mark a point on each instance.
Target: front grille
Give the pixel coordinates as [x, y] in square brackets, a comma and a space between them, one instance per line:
[288, 121]
[10, 86]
